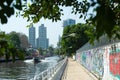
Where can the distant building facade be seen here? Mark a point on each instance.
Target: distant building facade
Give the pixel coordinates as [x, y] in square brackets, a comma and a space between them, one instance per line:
[32, 36]
[42, 41]
[68, 22]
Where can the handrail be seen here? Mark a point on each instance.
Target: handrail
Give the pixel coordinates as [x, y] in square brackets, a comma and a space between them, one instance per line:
[50, 72]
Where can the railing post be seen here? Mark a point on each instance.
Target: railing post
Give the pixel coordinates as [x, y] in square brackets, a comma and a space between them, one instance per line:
[48, 73]
[42, 76]
[51, 72]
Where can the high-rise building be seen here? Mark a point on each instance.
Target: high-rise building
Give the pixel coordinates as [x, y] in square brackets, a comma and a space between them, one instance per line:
[42, 41]
[32, 36]
[68, 22]
[37, 42]
[47, 43]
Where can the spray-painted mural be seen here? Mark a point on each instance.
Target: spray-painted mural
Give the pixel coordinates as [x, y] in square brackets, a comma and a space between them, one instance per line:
[104, 61]
[89, 60]
[114, 61]
[98, 61]
[93, 60]
[84, 57]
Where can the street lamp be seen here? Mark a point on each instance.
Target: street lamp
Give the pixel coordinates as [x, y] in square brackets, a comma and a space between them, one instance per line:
[70, 35]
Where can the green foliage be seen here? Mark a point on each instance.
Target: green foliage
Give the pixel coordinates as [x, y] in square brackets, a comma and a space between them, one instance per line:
[8, 48]
[56, 51]
[105, 15]
[40, 51]
[70, 44]
[14, 39]
[43, 8]
[7, 8]
[52, 10]
[91, 33]
[51, 50]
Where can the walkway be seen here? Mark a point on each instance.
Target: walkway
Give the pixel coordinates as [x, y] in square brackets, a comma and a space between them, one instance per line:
[75, 71]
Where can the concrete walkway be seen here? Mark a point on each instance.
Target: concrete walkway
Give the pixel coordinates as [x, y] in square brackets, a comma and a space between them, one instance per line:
[75, 71]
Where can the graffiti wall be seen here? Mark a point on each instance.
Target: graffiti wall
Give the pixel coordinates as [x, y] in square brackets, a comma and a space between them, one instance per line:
[114, 62]
[92, 60]
[104, 61]
[98, 61]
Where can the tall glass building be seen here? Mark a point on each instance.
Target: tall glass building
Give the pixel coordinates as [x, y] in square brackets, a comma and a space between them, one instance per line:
[32, 36]
[42, 41]
[68, 22]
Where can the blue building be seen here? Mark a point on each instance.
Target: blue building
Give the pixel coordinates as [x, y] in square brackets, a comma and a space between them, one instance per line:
[42, 41]
[68, 22]
[32, 36]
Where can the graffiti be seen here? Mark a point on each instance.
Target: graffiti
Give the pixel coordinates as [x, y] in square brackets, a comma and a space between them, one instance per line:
[98, 61]
[93, 60]
[78, 59]
[84, 59]
[104, 61]
[114, 62]
[88, 60]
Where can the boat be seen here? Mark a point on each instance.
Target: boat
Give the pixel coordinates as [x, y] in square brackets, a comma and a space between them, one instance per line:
[36, 59]
[36, 56]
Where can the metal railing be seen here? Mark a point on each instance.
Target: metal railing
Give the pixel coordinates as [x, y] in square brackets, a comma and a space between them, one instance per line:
[50, 72]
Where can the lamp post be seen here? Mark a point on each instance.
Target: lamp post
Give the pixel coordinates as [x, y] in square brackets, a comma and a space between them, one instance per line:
[70, 35]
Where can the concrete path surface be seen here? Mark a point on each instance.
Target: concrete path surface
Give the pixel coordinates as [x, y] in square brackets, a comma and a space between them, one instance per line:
[75, 71]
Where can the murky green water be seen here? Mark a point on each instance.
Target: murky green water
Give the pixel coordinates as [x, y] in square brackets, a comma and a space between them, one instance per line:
[24, 70]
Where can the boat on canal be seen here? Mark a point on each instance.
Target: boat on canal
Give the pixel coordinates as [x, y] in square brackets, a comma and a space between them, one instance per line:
[36, 59]
[36, 56]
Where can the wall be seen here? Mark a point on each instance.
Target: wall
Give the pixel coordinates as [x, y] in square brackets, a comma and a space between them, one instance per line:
[103, 61]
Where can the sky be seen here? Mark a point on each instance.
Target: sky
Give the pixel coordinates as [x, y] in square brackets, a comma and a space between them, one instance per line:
[54, 29]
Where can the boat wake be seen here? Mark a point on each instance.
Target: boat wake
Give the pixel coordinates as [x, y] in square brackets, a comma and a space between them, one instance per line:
[28, 61]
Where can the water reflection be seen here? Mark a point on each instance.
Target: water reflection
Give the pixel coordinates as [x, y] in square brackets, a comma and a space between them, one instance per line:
[21, 70]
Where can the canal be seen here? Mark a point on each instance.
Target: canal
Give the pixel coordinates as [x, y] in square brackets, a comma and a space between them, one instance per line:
[25, 70]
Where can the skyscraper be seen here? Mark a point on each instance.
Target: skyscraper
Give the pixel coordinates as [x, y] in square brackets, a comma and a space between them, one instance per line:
[32, 36]
[68, 22]
[42, 41]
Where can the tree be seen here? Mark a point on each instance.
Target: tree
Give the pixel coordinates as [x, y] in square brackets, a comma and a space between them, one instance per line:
[40, 51]
[56, 51]
[3, 43]
[106, 18]
[51, 50]
[7, 8]
[105, 15]
[19, 39]
[70, 44]
[24, 40]
[8, 48]
[14, 39]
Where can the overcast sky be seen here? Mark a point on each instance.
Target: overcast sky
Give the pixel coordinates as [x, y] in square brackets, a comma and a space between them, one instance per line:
[54, 29]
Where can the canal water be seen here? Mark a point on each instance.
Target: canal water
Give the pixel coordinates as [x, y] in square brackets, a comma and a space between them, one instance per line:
[25, 70]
